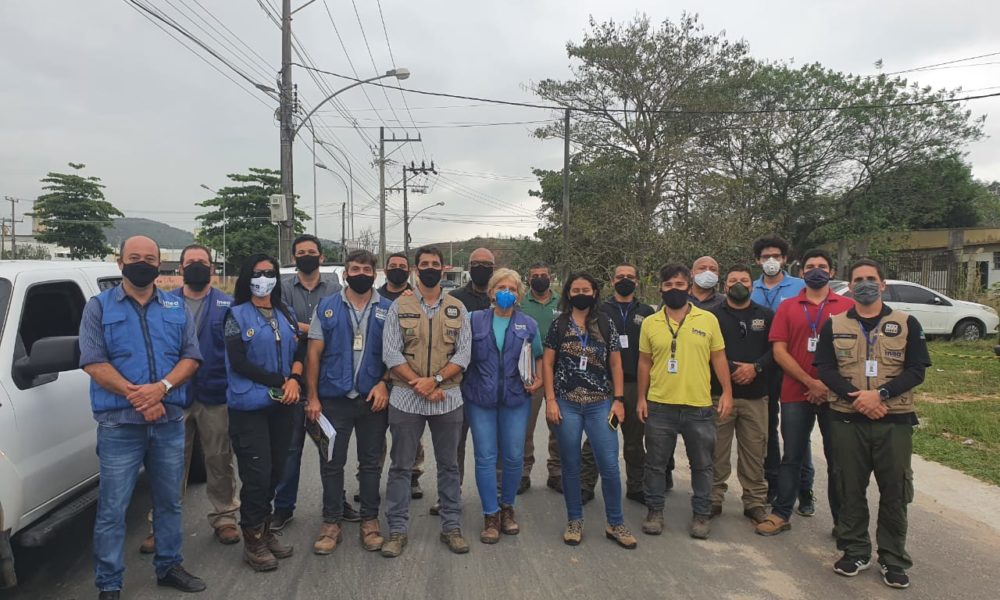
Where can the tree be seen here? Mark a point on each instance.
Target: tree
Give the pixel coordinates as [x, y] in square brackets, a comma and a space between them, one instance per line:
[28, 252]
[245, 211]
[73, 214]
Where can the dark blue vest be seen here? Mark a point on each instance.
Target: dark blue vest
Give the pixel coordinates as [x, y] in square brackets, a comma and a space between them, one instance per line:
[263, 351]
[336, 377]
[491, 380]
[143, 349]
[208, 385]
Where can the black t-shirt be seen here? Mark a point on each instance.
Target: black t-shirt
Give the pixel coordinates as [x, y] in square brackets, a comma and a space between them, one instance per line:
[745, 331]
[627, 318]
[390, 295]
[472, 299]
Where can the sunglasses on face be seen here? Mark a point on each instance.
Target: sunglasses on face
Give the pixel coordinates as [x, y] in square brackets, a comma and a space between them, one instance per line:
[267, 273]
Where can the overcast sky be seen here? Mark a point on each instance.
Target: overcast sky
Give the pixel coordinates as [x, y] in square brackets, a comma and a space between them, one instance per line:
[97, 83]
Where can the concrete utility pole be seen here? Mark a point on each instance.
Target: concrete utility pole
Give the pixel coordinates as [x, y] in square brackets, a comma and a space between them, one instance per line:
[565, 215]
[421, 170]
[13, 236]
[343, 232]
[381, 183]
[286, 228]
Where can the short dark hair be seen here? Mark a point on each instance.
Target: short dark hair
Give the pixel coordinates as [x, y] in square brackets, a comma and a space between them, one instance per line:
[306, 237]
[668, 272]
[738, 269]
[567, 308]
[818, 253]
[625, 264]
[195, 247]
[539, 265]
[866, 262]
[770, 241]
[361, 257]
[427, 250]
[397, 255]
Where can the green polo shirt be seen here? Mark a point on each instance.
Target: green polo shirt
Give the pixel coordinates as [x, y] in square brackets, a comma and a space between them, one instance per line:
[542, 313]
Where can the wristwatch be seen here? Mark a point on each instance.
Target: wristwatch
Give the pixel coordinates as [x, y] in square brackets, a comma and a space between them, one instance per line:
[620, 399]
[439, 379]
[883, 394]
[757, 367]
[167, 385]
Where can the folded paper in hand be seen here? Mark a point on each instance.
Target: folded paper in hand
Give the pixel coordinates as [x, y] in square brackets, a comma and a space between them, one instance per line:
[526, 364]
[323, 435]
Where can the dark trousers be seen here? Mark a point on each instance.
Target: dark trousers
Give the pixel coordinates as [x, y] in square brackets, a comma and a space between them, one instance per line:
[797, 419]
[697, 426]
[353, 415]
[633, 450]
[260, 442]
[884, 449]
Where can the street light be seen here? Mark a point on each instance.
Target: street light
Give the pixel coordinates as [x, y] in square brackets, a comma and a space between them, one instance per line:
[332, 172]
[225, 220]
[350, 175]
[399, 73]
[406, 234]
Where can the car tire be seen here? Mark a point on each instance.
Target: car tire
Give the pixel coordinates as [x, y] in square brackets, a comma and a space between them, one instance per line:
[968, 330]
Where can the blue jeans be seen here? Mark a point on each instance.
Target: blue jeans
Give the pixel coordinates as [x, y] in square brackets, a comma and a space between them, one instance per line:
[498, 429]
[287, 491]
[797, 419]
[696, 425]
[121, 450]
[592, 418]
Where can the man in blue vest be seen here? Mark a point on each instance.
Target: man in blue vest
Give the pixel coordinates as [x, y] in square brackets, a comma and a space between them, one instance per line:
[346, 384]
[138, 346]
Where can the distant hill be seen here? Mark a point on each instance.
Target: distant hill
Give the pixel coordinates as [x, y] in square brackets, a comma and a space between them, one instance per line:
[165, 235]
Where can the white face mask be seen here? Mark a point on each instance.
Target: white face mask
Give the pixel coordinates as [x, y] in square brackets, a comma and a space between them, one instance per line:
[771, 267]
[706, 280]
[262, 286]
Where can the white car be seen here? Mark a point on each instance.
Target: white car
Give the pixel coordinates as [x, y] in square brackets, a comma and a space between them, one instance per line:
[938, 314]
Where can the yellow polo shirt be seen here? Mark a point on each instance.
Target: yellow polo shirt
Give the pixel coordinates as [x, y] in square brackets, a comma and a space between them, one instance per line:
[697, 338]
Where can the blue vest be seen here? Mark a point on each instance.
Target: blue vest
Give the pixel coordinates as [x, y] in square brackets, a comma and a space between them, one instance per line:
[263, 351]
[491, 380]
[208, 385]
[336, 377]
[142, 349]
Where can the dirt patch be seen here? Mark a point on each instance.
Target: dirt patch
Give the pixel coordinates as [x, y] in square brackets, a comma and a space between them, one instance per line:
[950, 398]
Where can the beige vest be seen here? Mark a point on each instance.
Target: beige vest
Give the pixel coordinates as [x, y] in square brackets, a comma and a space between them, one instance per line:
[889, 349]
[428, 344]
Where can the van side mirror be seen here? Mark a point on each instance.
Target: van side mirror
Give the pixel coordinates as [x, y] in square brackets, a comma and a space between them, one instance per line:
[49, 356]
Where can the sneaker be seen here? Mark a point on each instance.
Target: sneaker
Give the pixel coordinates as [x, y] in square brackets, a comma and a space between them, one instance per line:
[574, 533]
[416, 492]
[638, 496]
[701, 525]
[807, 504]
[393, 546]
[435, 509]
[894, 577]
[350, 515]
[772, 525]
[849, 566]
[456, 543]
[179, 579]
[653, 525]
[756, 514]
[716, 511]
[524, 486]
[554, 483]
[621, 535]
[586, 495]
[280, 518]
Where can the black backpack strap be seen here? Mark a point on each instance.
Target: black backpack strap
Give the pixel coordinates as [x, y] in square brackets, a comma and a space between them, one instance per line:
[562, 323]
[604, 326]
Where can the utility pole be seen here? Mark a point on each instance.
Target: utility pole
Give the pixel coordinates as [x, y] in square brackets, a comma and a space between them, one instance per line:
[565, 215]
[421, 170]
[13, 237]
[286, 227]
[381, 185]
[343, 232]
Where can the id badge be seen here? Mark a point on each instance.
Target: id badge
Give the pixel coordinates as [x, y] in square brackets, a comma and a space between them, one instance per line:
[359, 343]
[811, 344]
[672, 365]
[623, 341]
[583, 363]
[871, 368]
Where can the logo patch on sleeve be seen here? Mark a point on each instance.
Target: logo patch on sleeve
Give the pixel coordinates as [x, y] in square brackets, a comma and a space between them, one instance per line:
[328, 313]
[638, 319]
[250, 332]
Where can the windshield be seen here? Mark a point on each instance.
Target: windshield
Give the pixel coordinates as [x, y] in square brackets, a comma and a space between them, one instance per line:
[5, 287]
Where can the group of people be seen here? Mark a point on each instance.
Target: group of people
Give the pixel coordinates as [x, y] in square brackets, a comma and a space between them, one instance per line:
[722, 356]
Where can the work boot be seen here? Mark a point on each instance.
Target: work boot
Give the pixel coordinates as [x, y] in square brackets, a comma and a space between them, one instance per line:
[756, 514]
[636, 496]
[507, 523]
[586, 495]
[227, 534]
[371, 535]
[278, 549]
[701, 525]
[456, 543]
[393, 546]
[491, 529]
[554, 483]
[653, 525]
[574, 533]
[255, 551]
[329, 536]
[435, 509]
[621, 535]
[716, 511]
[148, 545]
[416, 492]
[772, 525]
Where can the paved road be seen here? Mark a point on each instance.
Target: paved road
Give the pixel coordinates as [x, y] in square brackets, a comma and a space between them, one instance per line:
[955, 542]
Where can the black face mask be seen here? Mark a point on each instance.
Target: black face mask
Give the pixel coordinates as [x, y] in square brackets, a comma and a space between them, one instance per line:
[429, 277]
[481, 275]
[397, 276]
[625, 287]
[738, 293]
[675, 298]
[540, 284]
[197, 275]
[307, 263]
[361, 283]
[582, 301]
[140, 274]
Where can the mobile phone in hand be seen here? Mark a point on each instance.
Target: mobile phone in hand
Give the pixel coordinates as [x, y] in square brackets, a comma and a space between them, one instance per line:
[276, 394]
[613, 421]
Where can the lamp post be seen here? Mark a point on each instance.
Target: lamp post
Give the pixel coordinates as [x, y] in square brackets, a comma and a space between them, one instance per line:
[332, 172]
[406, 229]
[350, 176]
[225, 220]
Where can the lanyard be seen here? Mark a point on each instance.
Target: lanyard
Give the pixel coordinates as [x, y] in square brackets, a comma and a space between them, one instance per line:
[673, 334]
[361, 317]
[624, 314]
[870, 339]
[584, 337]
[819, 315]
[767, 297]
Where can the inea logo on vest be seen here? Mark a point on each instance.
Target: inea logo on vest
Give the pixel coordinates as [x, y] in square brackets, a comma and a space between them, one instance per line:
[891, 329]
[172, 304]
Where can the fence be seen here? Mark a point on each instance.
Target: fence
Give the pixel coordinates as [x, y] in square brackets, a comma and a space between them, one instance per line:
[941, 271]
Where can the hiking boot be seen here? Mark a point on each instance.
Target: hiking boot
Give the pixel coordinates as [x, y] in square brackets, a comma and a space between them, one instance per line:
[756, 514]
[638, 496]
[507, 523]
[524, 485]
[586, 495]
[456, 543]
[329, 536]
[148, 545]
[807, 504]
[772, 525]
[350, 515]
[435, 509]
[280, 518]
[849, 566]
[621, 535]
[491, 529]
[227, 534]
[894, 577]
[716, 511]
[179, 579]
[255, 551]
[416, 492]
[393, 546]
[574, 533]
[278, 549]
[701, 525]
[371, 535]
[554, 483]
[653, 525]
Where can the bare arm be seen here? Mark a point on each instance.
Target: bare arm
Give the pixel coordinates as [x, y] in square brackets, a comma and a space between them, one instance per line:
[642, 383]
[108, 378]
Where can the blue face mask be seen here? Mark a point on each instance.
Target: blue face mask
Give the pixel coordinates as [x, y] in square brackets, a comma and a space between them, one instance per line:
[505, 299]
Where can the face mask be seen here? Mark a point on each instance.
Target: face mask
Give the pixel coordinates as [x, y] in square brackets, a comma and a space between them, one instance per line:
[675, 298]
[625, 287]
[505, 299]
[307, 263]
[397, 276]
[706, 280]
[867, 292]
[582, 301]
[262, 286]
[738, 293]
[817, 278]
[481, 275]
[140, 274]
[540, 284]
[771, 267]
[429, 277]
[360, 284]
[197, 276]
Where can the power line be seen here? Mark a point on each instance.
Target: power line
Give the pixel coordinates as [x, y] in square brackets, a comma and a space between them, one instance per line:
[392, 58]
[941, 64]
[450, 125]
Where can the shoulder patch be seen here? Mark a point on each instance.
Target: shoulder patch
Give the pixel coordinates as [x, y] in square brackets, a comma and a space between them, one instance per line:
[891, 329]
[328, 313]
[250, 332]
[452, 312]
[638, 319]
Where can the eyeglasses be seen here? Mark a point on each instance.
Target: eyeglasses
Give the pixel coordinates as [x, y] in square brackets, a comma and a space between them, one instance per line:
[481, 263]
[267, 273]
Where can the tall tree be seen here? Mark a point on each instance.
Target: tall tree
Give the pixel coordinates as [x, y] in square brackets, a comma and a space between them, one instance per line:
[73, 214]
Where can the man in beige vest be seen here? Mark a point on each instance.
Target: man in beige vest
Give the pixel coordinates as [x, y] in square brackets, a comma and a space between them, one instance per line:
[871, 358]
[426, 344]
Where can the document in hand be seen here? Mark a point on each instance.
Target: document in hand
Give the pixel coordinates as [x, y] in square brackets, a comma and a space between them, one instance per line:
[526, 364]
[323, 435]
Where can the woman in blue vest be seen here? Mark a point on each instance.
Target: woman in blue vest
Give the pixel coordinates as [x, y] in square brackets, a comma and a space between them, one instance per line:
[504, 371]
[264, 358]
